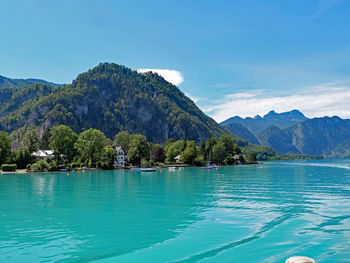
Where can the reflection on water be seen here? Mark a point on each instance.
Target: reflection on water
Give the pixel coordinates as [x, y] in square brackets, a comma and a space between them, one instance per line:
[233, 214]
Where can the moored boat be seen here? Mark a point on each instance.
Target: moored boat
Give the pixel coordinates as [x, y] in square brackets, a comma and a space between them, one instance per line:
[148, 170]
[209, 167]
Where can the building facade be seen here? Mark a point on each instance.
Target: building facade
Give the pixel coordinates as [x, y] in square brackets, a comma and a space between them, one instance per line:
[121, 157]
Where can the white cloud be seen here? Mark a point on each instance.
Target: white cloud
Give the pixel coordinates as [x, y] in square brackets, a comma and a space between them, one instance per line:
[173, 76]
[325, 100]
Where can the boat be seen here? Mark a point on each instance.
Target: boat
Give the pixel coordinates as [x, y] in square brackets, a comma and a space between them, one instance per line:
[148, 170]
[209, 167]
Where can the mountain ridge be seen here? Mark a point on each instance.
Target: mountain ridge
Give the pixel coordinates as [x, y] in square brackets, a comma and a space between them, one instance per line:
[6, 82]
[111, 98]
[326, 136]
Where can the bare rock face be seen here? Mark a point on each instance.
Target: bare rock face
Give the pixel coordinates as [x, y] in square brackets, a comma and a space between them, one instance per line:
[300, 259]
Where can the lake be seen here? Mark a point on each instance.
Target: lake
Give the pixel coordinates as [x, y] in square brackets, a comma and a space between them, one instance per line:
[263, 213]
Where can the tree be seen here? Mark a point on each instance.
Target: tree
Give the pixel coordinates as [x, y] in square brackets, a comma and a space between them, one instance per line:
[250, 158]
[158, 155]
[230, 159]
[202, 148]
[5, 147]
[122, 139]
[30, 140]
[190, 153]
[138, 149]
[168, 143]
[174, 150]
[22, 158]
[62, 141]
[219, 153]
[209, 147]
[45, 140]
[228, 142]
[90, 145]
[109, 156]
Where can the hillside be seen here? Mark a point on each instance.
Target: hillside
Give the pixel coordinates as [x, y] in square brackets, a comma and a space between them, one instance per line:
[327, 136]
[111, 98]
[277, 139]
[258, 123]
[241, 131]
[9, 83]
[292, 132]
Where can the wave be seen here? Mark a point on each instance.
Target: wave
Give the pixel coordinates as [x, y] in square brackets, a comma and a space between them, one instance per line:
[331, 165]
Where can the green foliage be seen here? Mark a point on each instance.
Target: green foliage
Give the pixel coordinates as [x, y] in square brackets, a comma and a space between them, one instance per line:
[122, 139]
[219, 154]
[190, 153]
[138, 148]
[108, 157]
[5, 147]
[262, 152]
[229, 143]
[229, 159]
[111, 98]
[45, 140]
[40, 166]
[295, 156]
[90, 145]
[62, 141]
[158, 155]
[174, 149]
[30, 140]
[22, 158]
[250, 157]
[8, 167]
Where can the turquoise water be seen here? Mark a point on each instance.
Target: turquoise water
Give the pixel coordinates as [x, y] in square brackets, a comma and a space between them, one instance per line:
[262, 213]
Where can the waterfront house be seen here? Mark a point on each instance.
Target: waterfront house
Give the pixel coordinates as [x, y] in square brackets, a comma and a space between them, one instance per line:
[177, 158]
[121, 156]
[42, 154]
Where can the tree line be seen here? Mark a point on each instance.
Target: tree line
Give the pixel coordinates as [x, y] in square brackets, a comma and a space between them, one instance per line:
[91, 148]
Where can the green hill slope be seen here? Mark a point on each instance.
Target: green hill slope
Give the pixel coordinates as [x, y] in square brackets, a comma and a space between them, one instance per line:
[111, 98]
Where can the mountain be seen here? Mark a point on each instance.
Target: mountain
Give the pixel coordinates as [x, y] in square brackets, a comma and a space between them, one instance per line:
[110, 98]
[292, 132]
[258, 123]
[241, 131]
[326, 136]
[277, 139]
[9, 83]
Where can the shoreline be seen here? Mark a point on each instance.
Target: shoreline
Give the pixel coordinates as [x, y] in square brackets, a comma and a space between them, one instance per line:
[24, 171]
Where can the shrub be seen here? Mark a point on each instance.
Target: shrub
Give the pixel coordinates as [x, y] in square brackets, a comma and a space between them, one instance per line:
[40, 166]
[8, 167]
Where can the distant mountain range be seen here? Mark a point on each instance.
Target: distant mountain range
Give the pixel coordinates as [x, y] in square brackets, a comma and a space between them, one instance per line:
[9, 83]
[110, 98]
[292, 132]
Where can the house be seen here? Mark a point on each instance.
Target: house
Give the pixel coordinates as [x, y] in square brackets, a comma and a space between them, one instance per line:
[43, 154]
[177, 158]
[121, 156]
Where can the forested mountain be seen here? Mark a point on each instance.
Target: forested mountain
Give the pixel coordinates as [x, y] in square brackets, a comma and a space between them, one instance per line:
[241, 131]
[292, 132]
[327, 136]
[110, 98]
[277, 139]
[258, 123]
[9, 83]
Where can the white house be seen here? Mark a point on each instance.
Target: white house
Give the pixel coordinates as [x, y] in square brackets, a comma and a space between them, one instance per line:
[121, 156]
[43, 154]
[177, 158]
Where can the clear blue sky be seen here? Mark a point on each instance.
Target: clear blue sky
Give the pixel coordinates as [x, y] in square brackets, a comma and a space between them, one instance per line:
[236, 57]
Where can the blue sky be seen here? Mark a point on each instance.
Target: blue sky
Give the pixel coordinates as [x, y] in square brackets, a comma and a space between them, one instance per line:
[231, 57]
